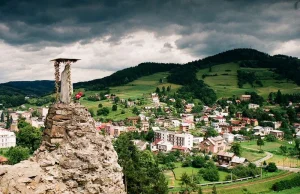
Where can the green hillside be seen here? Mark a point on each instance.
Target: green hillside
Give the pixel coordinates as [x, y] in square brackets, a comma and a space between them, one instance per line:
[225, 84]
[140, 88]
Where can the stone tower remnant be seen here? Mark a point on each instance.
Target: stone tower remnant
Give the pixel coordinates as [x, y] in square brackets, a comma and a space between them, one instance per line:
[74, 157]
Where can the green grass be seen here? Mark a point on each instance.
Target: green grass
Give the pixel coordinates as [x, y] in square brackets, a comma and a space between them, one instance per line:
[252, 155]
[143, 86]
[269, 146]
[260, 187]
[226, 85]
[190, 171]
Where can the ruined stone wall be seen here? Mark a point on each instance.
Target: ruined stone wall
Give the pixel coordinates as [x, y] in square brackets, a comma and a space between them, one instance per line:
[73, 158]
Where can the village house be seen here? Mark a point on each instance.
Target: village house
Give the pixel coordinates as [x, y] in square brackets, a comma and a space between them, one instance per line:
[187, 117]
[239, 115]
[245, 97]
[141, 145]
[175, 123]
[189, 107]
[246, 121]
[213, 144]
[277, 133]
[254, 122]
[237, 161]
[7, 139]
[253, 106]
[298, 135]
[224, 158]
[133, 120]
[36, 122]
[145, 126]
[229, 137]
[155, 98]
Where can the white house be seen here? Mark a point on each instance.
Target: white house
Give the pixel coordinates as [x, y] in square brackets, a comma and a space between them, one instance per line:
[253, 106]
[229, 137]
[181, 140]
[175, 122]
[197, 140]
[7, 139]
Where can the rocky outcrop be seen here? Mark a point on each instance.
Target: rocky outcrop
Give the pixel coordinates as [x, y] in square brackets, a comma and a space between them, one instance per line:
[73, 158]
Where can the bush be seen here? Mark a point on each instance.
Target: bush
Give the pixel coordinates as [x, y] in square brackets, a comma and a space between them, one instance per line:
[17, 154]
[271, 167]
[103, 111]
[209, 174]
[287, 184]
[198, 162]
[270, 138]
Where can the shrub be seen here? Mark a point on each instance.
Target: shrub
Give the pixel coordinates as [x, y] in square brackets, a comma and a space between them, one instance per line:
[271, 167]
[17, 154]
[287, 184]
[209, 174]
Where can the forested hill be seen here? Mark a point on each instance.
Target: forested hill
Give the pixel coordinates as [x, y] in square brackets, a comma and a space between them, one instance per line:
[288, 67]
[126, 75]
[30, 88]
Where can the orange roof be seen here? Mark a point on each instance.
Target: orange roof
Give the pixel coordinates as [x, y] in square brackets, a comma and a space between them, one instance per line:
[3, 159]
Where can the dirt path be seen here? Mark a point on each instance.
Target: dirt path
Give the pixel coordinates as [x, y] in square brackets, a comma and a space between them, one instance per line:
[247, 184]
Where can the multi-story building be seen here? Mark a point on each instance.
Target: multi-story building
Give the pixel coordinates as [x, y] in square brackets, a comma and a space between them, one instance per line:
[213, 144]
[183, 139]
[7, 139]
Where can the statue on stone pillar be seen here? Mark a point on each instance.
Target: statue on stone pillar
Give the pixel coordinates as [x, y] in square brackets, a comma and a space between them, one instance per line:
[66, 86]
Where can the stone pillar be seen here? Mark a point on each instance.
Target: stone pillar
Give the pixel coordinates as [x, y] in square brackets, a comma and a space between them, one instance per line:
[57, 74]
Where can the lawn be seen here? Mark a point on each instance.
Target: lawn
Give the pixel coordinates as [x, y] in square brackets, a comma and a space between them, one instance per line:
[144, 86]
[226, 85]
[269, 146]
[252, 155]
[190, 171]
[253, 186]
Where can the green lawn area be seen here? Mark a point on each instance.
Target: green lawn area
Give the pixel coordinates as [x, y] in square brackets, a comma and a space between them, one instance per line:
[143, 86]
[226, 85]
[255, 186]
[190, 171]
[269, 146]
[252, 155]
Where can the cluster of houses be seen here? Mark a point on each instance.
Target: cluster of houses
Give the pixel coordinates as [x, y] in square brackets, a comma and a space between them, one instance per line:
[7, 136]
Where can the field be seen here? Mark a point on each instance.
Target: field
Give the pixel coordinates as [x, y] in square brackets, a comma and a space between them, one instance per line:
[226, 85]
[269, 146]
[284, 161]
[252, 155]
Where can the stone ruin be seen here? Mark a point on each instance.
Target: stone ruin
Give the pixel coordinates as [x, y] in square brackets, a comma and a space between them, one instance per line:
[73, 158]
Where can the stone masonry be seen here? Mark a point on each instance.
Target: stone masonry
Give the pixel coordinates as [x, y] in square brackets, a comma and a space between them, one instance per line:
[73, 158]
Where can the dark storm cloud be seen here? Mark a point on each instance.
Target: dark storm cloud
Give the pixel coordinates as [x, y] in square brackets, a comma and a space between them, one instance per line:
[205, 27]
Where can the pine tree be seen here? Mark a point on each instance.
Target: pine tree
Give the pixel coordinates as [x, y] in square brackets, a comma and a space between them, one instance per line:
[2, 117]
[214, 191]
[157, 90]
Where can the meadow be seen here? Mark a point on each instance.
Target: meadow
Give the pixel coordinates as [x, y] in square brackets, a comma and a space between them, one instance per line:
[225, 83]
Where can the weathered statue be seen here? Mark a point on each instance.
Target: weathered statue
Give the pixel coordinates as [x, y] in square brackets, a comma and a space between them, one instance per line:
[66, 88]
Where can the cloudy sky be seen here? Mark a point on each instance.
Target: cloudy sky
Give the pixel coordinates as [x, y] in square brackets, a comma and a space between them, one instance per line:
[115, 34]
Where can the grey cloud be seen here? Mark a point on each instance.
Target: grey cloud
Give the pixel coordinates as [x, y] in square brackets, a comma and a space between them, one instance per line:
[228, 23]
